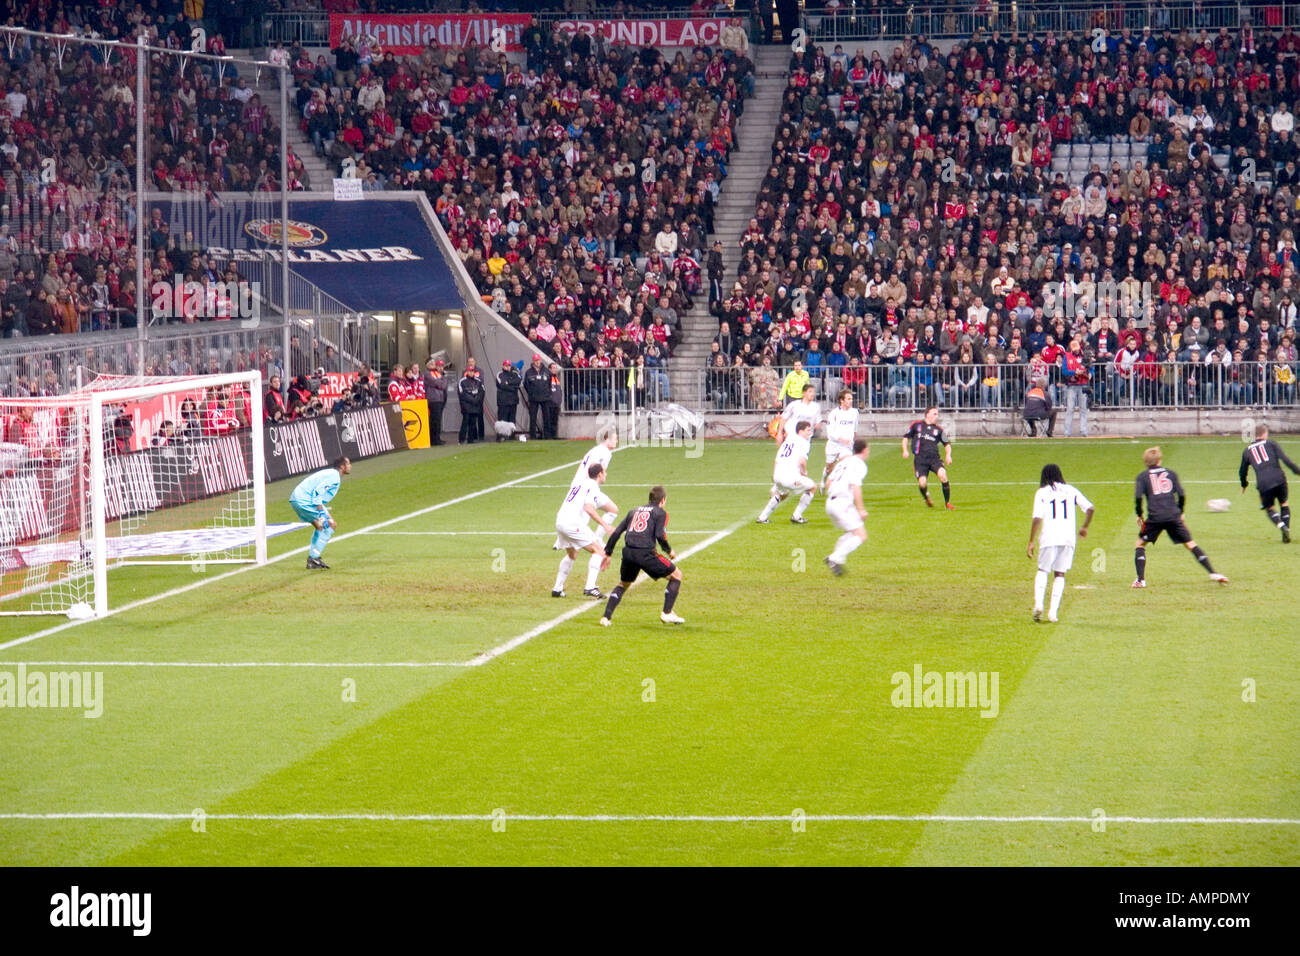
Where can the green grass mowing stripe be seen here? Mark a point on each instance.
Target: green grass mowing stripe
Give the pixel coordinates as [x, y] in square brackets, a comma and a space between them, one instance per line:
[175, 592]
[652, 818]
[476, 661]
[777, 697]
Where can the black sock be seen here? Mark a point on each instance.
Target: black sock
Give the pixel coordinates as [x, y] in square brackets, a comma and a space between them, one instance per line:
[1286, 516]
[947, 493]
[615, 596]
[670, 594]
[1203, 558]
[1274, 517]
[1140, 561]
[925, 492]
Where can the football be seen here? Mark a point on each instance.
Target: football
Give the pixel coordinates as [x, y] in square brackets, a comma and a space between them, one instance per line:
[1218, 504]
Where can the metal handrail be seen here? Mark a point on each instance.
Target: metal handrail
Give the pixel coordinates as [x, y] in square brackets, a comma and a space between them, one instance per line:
[1002, 387]
[859, 20]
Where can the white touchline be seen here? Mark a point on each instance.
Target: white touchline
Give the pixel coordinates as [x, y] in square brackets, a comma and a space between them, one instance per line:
[541, 629]
[175, 592]
[652, 818]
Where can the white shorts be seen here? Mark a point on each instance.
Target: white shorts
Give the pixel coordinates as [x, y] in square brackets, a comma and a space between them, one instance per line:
[578, 536]
[1056, 558]
[843, 514]
[789, 484]
[835, 451]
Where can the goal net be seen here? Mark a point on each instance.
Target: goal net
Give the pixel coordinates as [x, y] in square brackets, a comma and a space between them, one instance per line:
[127, 472]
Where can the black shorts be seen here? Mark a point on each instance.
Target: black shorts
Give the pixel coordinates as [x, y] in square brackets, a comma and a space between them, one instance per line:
[1176, 530]
[651, 562]
[923, 466]
[1277, 495]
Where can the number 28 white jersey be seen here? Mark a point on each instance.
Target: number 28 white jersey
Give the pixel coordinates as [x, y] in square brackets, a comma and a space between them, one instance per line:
[848, 473]
[1057, 505]
[842, 426]
[787, 459]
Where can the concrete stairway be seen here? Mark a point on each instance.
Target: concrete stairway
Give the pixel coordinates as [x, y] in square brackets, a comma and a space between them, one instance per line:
[736, 200]
[321, 175]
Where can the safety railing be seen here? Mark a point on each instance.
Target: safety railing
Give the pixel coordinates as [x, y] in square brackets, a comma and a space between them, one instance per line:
[612, 389]
[913, 387]
[895, 21]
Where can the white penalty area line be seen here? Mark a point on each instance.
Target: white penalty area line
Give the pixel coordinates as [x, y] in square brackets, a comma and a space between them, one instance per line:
[524, 638]
[176, 592]
[650, 818]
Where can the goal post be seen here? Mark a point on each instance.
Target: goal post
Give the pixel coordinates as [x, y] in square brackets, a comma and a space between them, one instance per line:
[127, 472]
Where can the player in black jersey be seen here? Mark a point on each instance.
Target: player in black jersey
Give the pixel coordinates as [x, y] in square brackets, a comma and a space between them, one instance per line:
[1267, 459]
[921, 443]
[1164, 496]
[645, 527]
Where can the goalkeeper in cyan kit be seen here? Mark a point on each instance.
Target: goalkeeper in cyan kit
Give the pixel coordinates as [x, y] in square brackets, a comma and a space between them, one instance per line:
[309, 500]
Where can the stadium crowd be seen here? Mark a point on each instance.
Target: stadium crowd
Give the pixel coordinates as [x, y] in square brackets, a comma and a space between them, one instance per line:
[918, 231]
[68, 156]
[576, 182]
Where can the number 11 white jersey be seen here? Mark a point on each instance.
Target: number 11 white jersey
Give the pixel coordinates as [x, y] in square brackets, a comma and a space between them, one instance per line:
[1057, 506]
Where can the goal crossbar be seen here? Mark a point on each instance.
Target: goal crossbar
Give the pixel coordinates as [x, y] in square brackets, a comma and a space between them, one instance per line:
[125, 471]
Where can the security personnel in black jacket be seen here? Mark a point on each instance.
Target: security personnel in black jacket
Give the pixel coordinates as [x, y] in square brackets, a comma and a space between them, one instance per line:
[508, 384]
[537, 389]
[471, 394]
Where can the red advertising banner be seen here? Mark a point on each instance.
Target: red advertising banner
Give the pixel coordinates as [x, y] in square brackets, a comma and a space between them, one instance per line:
[702, 32]
[407, 34]
[335, 386]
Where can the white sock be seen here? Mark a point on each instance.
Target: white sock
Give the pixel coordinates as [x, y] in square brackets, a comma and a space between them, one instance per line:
[1040, 589]
[1058, 588]
[771, 506]
[804, 501]
[847, 544]
[593, 570]
[566, 564]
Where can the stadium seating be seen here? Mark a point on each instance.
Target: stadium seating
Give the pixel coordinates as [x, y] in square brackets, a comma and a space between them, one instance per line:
[933, 162]
[67, 228]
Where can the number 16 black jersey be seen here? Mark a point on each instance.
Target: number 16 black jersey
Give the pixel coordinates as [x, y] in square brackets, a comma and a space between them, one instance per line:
[1163, 493]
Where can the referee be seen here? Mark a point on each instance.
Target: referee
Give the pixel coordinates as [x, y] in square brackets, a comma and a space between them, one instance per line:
[644, 529]
[1267, 458]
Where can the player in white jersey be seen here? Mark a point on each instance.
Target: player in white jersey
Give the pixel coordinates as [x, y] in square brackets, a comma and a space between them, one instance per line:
[572, 529]
[599, 455]
[1055, 507]
[790, 474]
[841, 429]
[844, 504]
[802, 409]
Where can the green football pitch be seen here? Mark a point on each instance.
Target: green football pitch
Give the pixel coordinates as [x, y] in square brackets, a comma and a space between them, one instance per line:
[426, 701]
